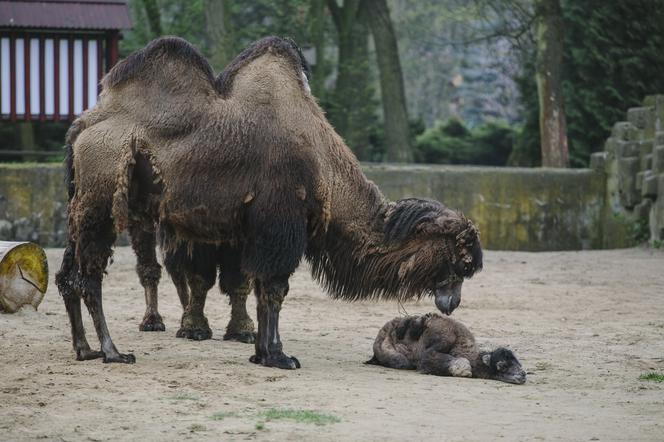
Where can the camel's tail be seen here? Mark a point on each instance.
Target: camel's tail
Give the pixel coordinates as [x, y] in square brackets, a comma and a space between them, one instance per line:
[120, 208]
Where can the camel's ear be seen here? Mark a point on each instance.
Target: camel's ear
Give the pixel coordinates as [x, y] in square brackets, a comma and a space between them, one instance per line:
[486, 359]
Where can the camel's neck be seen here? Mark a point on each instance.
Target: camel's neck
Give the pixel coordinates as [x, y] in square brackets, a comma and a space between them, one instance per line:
[357, 207]
[351, 258]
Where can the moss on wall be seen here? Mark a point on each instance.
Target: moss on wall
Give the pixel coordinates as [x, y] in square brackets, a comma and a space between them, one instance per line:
[33, 203]
[515, 208]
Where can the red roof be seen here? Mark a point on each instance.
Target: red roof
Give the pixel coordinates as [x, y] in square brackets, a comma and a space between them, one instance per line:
[65, 14]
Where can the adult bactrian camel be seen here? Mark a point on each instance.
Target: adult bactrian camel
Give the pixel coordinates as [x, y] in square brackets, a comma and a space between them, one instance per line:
[247, 161]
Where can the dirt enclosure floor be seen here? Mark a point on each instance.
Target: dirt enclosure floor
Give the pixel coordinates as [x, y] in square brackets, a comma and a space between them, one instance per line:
[585, 325]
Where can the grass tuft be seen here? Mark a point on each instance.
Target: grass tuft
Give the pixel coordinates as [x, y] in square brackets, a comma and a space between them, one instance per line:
[220, 416]
[194, 428]
[652, 376]
[301, 416]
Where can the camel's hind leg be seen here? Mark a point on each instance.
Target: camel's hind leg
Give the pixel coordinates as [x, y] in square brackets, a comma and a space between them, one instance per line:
[238, 286]
[67, 280]
[143, 241]
[388, 352]
[95, 238]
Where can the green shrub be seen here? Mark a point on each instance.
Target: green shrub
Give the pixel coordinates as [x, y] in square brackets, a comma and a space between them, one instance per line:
[452, 142]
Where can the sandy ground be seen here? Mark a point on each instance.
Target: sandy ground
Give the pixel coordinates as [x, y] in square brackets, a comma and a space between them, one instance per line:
[585, 325]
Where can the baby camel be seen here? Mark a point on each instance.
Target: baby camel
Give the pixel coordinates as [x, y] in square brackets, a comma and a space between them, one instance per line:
[433, 344]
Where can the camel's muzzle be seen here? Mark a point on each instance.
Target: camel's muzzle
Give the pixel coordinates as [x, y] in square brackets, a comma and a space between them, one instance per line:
[448, 297]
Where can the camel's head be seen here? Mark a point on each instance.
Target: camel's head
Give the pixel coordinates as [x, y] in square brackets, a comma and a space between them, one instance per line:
[440, 248]
[504, 366]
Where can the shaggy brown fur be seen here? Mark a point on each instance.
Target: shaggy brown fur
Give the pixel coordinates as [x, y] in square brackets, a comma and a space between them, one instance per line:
[433, 344]
[248, 162]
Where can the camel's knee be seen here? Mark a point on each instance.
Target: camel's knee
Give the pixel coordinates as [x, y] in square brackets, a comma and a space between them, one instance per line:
[200, 282]
[64, 278]
[235, 284]
[149, 274]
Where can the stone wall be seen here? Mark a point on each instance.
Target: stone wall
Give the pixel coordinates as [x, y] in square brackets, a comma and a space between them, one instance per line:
[516, 209]
[633, 160]
[33, 203]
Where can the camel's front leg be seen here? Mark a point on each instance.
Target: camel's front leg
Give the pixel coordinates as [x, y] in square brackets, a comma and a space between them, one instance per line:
[270, 294]
[238, 286]
[442, 364]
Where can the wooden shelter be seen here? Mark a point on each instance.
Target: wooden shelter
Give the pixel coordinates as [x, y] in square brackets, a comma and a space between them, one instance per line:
[53, 54]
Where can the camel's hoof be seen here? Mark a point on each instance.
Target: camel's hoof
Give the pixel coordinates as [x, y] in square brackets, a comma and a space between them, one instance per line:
[151, 323]
[461, 367]
[278, 361]
[195, 334]
[248, 337]
[87, 354]
[120, 358]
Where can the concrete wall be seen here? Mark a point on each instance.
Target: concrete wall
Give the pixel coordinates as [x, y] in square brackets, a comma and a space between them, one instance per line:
[515, 209]
[33, 203]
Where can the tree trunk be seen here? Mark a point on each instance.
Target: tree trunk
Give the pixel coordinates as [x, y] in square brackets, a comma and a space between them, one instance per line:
[393, 95]
[351, 110]
[218, 35]
[553, 130]
[317, 32]
[154, 17]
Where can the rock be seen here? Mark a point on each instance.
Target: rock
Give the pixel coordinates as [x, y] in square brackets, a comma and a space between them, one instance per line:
[625, 131]
[626, 148]
[649, 184]
[659, 138]
[642, 210]
[627, 170]
[25, 230]
[658, 160]
[639, 180]
[598, 161]
[646, 162]
[6, 230]
[640, 117]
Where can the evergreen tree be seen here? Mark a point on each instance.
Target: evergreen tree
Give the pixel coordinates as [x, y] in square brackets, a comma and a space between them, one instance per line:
[613, 58]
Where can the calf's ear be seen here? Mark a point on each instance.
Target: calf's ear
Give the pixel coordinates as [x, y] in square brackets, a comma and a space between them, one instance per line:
[486, 358]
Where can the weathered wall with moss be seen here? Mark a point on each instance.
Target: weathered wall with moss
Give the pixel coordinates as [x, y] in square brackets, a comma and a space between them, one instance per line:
[516, 209]
[33, 203]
